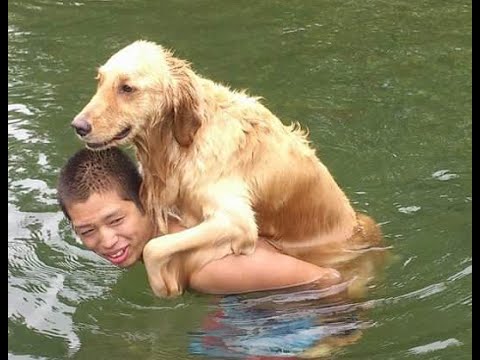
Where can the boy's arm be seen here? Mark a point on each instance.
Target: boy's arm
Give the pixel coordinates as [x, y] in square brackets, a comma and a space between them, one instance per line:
[265, 269]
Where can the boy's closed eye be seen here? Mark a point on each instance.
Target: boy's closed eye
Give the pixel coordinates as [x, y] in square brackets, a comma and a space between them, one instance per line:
[85, 232]
[117, 221]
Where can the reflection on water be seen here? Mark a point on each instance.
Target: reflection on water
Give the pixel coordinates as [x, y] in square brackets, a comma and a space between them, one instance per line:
[304, 322]
[298, 323]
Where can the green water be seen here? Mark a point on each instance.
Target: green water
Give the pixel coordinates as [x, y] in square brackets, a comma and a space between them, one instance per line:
[385, 89]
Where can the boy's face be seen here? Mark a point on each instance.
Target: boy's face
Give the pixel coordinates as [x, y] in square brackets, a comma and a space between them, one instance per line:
[111, 227]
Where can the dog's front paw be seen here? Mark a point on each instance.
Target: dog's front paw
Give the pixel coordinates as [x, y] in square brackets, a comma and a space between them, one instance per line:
[163, 287]
[164, 280]
[243, 246]
[157, 285]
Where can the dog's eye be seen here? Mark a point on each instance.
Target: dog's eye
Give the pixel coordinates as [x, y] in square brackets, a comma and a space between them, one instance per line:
[126, 89]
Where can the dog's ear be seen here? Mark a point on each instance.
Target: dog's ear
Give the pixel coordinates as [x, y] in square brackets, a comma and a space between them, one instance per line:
[186, 114]
[187, 117]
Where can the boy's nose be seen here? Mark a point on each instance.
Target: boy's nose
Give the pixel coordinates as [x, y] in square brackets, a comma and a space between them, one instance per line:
[109, 239]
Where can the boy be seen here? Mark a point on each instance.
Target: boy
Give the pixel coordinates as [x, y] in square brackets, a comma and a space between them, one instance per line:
[98, 192]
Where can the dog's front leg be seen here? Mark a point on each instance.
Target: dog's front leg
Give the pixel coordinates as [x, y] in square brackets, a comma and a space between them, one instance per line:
[227, 206]
[228, 228]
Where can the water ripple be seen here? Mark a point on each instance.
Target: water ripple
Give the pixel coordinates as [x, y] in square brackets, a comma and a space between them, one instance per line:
[47, 276]
[436, 345]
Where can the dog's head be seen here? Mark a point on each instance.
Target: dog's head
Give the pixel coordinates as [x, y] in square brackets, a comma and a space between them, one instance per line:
[139, 87]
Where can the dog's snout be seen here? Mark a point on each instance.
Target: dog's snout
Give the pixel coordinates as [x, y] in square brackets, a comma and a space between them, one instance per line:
[81, 125]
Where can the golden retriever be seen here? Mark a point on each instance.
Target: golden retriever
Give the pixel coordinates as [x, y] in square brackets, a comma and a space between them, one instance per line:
[220, 160]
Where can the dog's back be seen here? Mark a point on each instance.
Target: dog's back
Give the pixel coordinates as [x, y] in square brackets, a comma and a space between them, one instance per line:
[292, 193]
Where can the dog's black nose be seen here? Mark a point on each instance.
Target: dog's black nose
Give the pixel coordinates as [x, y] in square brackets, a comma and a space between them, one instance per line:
[81, 125]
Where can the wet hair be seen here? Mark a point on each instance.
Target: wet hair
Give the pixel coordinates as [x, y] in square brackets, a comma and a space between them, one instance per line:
[88, 172]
